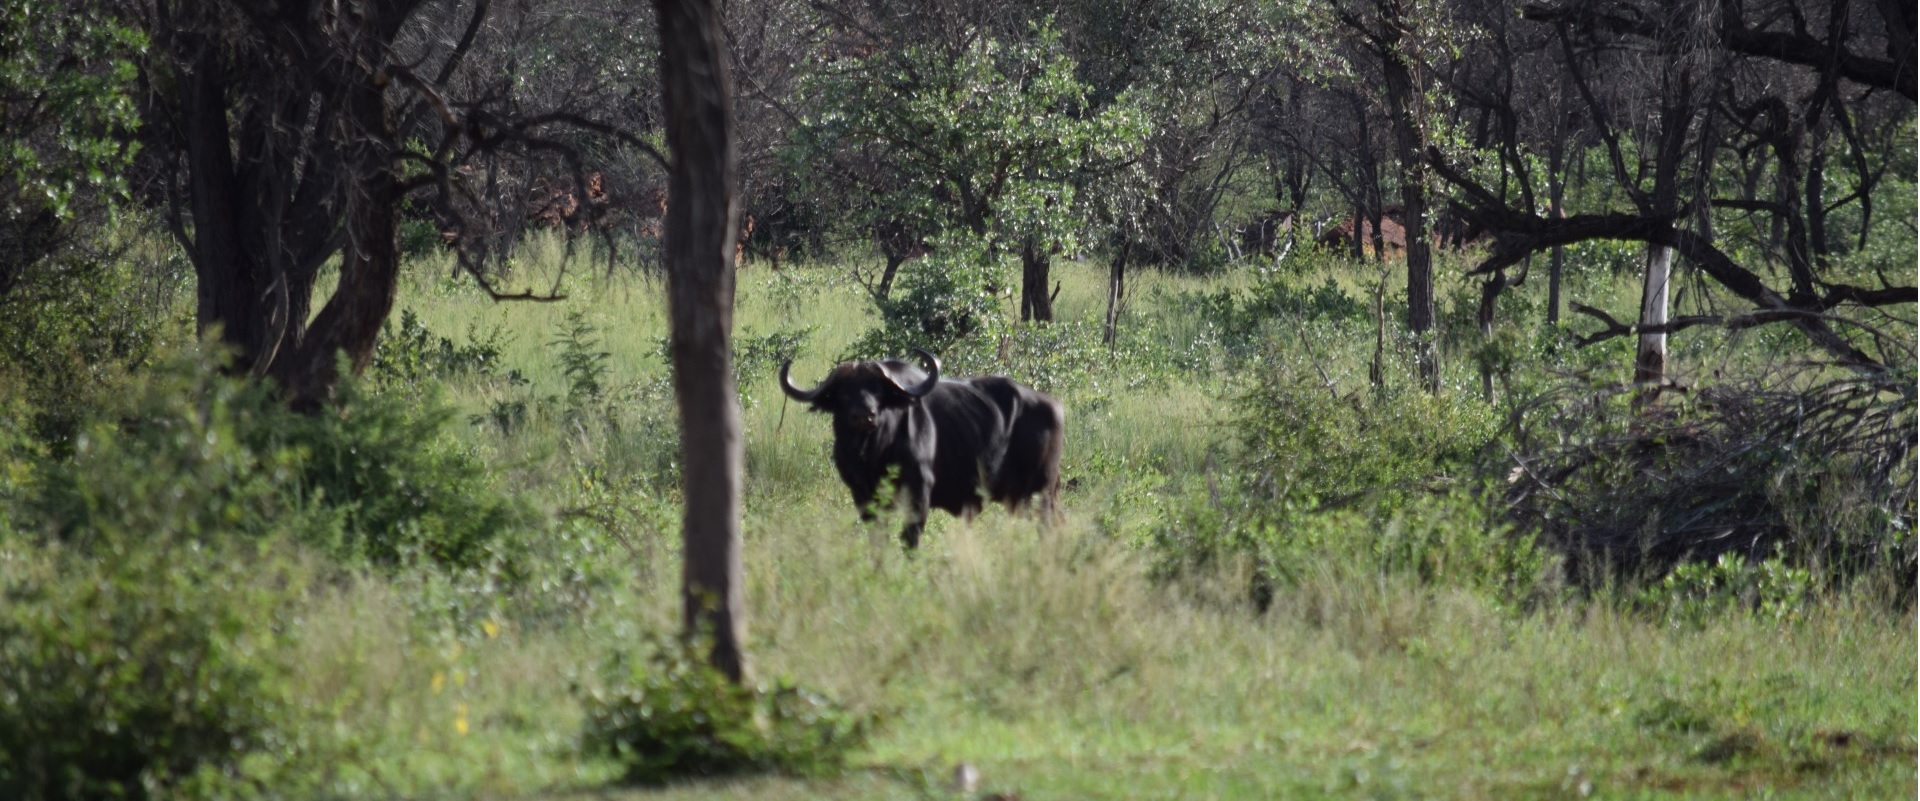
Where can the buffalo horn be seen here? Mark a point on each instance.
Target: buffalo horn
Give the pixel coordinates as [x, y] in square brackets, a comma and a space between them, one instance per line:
[924, 387]
[796, 393]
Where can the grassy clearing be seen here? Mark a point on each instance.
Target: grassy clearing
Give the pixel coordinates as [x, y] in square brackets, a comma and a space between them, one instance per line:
[1052, 662]
[1060, 663]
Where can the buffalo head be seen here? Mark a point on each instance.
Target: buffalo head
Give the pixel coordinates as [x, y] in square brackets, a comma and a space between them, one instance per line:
[858, 394]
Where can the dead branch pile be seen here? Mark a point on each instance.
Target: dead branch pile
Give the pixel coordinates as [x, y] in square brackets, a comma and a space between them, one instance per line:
[1809, 463]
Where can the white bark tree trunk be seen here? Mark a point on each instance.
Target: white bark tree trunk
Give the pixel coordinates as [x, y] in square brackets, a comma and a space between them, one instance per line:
[1650, 365]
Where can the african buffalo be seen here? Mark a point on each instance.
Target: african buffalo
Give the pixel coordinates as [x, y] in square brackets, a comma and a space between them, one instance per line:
[953, 442]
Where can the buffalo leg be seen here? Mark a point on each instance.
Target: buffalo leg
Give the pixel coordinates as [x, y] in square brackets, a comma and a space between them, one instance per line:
[917, 486]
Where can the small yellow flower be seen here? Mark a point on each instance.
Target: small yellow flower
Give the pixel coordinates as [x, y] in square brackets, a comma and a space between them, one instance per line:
[439, 681]
[460, 719]
[491, 628]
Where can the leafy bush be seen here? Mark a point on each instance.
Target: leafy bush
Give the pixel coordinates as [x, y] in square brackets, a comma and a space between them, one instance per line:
[669, 715]
[1242, 325]
[1448, 540]
[576, 344]
[129, 670]
[67, 329]
[1697, 591]
[168, 458]
[756, 357]
[402, 487]
[950, 295]
[1377, 482]
[187, 453]
[1311, 443]
[411, 352]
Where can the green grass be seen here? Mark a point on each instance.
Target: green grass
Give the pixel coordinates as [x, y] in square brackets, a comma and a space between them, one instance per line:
[1054, 660]
[1048, 658]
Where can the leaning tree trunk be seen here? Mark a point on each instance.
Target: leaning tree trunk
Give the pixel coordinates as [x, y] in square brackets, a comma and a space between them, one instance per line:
[1403, 97]
[701, 217]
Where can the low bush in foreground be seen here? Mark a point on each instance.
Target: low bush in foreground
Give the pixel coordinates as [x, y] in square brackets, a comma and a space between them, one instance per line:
[133, 670]
[668, 715]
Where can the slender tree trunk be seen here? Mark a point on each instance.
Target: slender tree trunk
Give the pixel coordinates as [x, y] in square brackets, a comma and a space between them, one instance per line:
[1816, 213]
[897, 244]
[1116, 291]
[1035, 269]
[1375, 222]
[1650, 363]
[1356, 238]
[894, 260]
[1403, 97]
[700, 234]
[1677, 113]
[1556, 194]
[226, 276]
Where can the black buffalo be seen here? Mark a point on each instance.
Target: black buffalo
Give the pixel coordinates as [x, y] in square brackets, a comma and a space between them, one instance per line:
[953, 443]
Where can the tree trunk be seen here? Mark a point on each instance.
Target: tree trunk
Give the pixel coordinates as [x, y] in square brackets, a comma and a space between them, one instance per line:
[307, 365]
[1116, 291]
[1035, 266]
[897, 244]
[1816, 208]
[308, 369]
[1556, 195]
[700, 232]
[1356, 238]
[1676, 118]
[227, 288]
[1403, 97]
[263, 223]
[894, 261]
[1650, 363]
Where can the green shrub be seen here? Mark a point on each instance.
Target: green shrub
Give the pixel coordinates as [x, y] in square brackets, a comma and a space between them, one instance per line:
[1697, 591]
[128, 670]
[1313, 443]
[187, 453]
[1448, 540]
[576, 345]
[68, 329]
[169, 458]
[758, 356]
[1382, 482]
[950, 295]
[410, 353]
[402, 486]
[1456, 540]
[668, 715]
